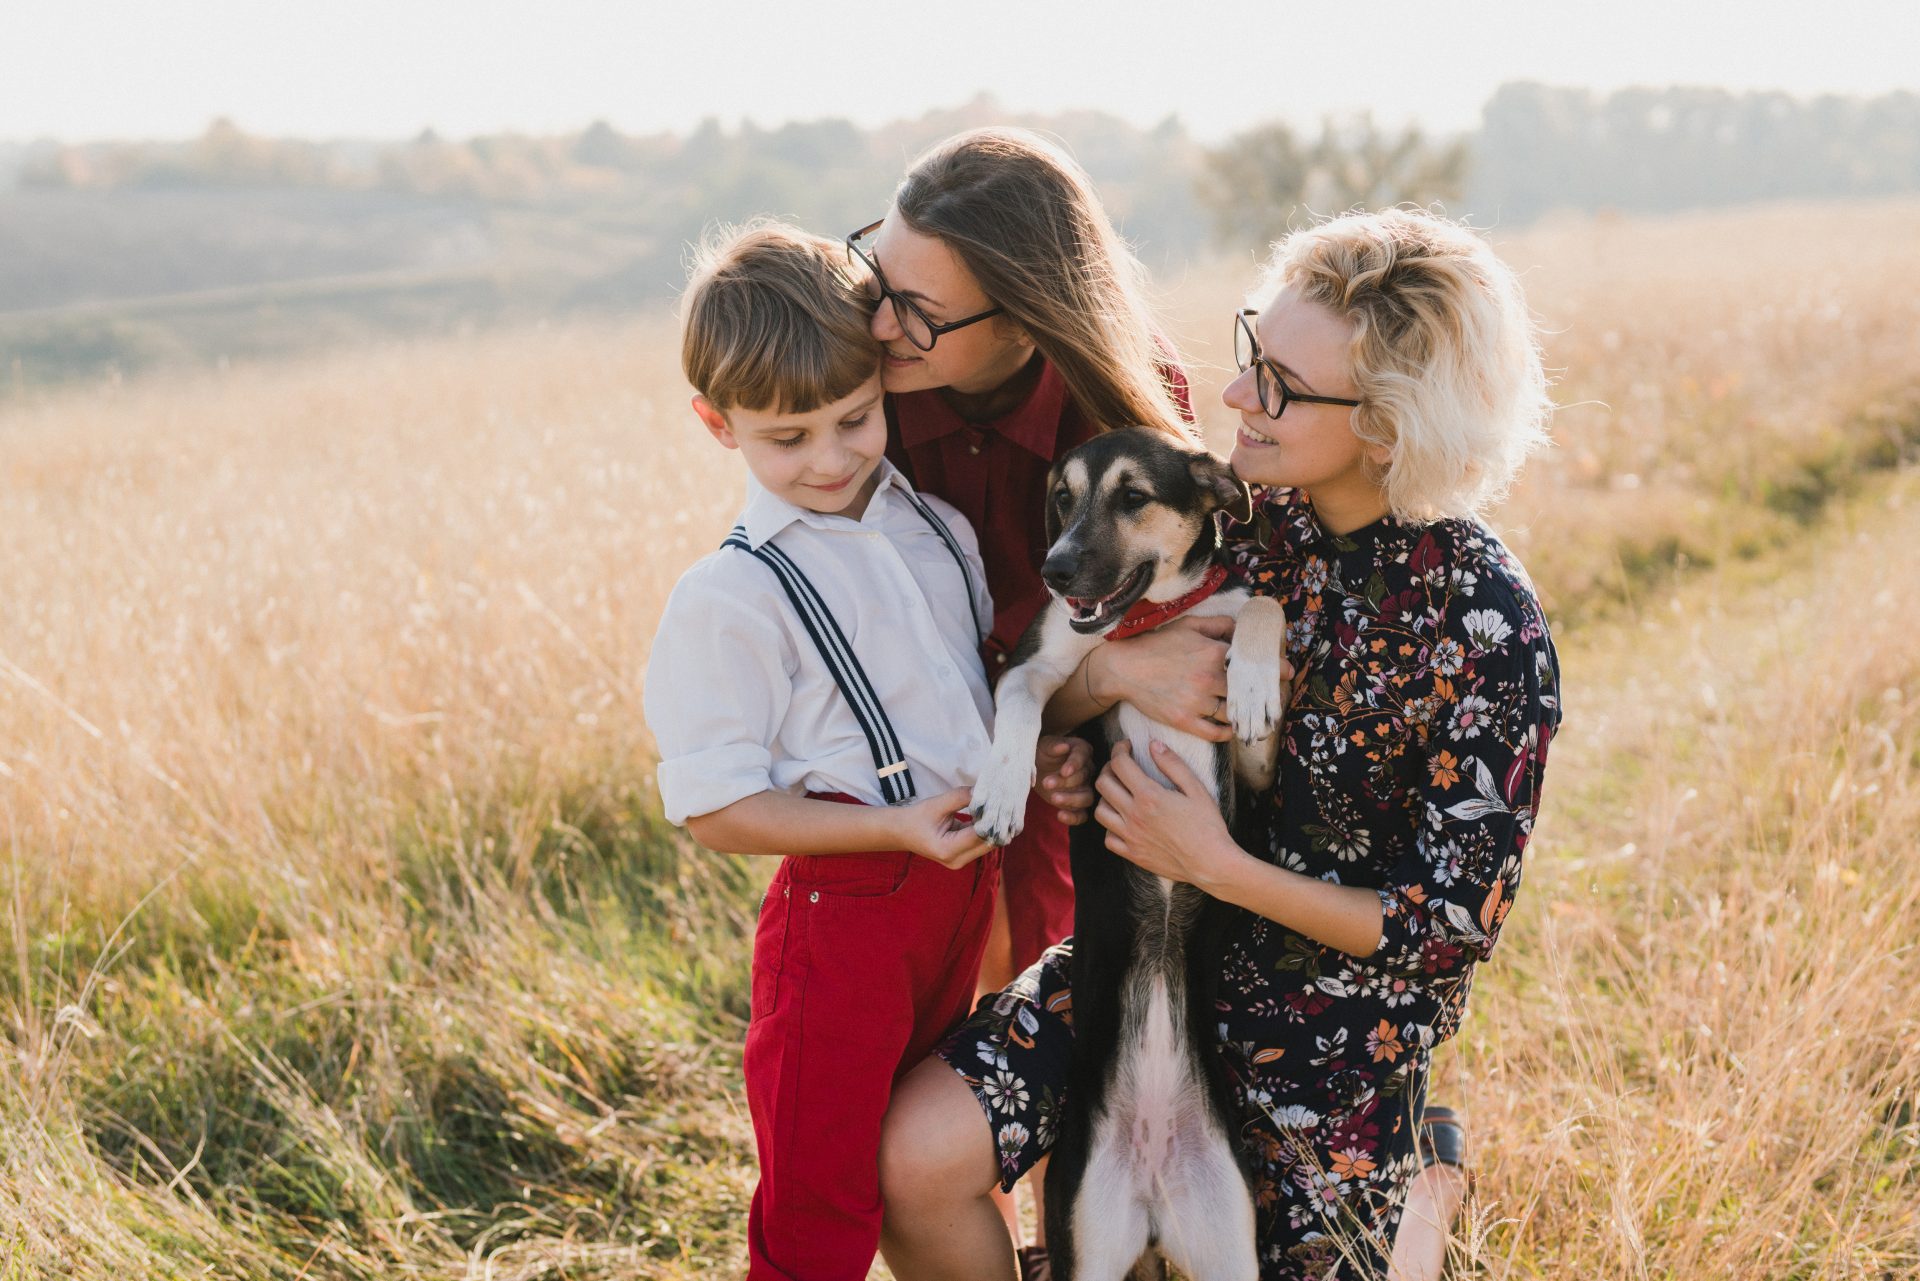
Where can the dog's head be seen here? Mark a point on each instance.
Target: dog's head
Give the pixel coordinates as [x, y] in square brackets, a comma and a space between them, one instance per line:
[1130, 517]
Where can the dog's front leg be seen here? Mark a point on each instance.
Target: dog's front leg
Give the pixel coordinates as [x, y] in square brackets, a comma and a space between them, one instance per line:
[1256, 699]
[1048, 654]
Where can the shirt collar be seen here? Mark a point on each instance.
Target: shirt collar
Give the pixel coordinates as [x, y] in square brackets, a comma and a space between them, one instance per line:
[1034, 424]
[1289, 516]
[766, 514]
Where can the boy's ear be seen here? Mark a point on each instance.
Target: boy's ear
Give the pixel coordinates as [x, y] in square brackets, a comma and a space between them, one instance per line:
[716, 422]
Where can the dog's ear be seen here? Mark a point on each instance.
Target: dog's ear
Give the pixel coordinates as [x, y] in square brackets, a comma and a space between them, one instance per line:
[1226, 490]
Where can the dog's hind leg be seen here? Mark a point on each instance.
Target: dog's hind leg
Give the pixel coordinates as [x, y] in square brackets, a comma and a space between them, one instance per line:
[1207, 1227]
[1109, 1225]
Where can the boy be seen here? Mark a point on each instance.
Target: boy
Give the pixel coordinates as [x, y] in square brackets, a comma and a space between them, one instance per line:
[816, 692]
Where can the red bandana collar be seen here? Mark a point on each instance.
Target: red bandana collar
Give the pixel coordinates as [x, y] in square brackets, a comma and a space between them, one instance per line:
[1147, 615]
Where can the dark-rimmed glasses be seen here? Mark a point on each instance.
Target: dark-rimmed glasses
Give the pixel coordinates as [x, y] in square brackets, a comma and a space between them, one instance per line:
[1275, 395]
[920, 330]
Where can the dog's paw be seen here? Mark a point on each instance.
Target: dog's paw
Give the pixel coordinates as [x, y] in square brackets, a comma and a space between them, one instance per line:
[1000, 799]
[1254, 698]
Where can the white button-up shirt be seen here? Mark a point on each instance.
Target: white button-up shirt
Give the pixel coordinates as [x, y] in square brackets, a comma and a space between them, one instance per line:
[740, 701]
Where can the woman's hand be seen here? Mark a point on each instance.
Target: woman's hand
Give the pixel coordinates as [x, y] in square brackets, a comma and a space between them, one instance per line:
[1176, 675]
[1065, 778]
[1174, 832]
[939, 828]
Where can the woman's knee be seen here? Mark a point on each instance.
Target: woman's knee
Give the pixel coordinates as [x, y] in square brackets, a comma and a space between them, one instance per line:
[935, 1144]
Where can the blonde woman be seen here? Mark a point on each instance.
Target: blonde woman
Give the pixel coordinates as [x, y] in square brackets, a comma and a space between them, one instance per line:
[1390, 387]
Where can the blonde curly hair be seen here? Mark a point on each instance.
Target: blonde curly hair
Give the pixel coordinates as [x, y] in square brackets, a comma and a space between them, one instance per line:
[1443, 352]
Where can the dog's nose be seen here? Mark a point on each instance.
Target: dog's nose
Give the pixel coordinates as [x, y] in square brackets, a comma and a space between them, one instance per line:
[1059, 570]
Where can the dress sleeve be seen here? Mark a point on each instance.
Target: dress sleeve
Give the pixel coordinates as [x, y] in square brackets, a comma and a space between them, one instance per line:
[718, 684]
[1489, 705]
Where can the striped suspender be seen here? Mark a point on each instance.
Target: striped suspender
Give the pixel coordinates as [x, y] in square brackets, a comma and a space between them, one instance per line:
[889, 761]
[953, 549]
[896, 780]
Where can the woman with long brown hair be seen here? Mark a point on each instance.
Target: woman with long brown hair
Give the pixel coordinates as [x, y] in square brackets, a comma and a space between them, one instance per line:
[1015, 327]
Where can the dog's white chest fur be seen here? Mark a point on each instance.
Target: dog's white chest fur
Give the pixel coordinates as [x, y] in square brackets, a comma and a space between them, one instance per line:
[1160, 1167]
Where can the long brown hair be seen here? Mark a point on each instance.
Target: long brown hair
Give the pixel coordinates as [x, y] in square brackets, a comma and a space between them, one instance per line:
[1025, 220]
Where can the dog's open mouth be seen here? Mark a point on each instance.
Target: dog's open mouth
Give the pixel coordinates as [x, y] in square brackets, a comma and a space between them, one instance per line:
[1092, 613]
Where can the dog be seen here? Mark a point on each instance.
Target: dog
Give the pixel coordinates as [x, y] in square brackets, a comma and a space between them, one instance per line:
[1144, 1155]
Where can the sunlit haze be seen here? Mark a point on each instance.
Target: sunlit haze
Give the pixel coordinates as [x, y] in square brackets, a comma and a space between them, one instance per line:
[80, 69]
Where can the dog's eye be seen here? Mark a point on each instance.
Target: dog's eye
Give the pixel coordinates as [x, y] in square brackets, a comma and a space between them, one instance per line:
[1135, 497]
[1061, 498]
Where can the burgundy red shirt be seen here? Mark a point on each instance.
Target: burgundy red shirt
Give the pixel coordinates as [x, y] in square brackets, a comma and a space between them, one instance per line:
[996, 474]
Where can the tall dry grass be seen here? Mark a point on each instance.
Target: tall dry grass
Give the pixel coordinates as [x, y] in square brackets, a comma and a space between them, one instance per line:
[1699, 1055]
[346, 941]
[337, 889]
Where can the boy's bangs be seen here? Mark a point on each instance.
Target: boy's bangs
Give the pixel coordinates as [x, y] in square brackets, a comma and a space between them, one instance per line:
[799, 378]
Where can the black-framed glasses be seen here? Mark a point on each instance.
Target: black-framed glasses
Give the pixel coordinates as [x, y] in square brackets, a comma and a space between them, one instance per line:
[920, 330]
[1275, 395]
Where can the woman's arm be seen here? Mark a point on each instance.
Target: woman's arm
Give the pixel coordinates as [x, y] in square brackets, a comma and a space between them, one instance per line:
[1176, 675]
[1178, 833]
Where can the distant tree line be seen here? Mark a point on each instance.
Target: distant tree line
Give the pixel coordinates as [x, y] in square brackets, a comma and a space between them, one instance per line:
[1653, 150]
[826, 174]
[1538, 148]
[1260, 183]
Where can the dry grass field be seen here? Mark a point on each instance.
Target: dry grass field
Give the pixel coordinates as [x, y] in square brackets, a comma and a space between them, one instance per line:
[345, 940]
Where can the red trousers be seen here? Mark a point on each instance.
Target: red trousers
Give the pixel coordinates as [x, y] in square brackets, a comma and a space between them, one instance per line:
[861, 963]
[1037, 879]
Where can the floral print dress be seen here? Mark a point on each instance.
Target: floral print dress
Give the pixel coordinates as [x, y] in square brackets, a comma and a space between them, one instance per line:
[1426, 692]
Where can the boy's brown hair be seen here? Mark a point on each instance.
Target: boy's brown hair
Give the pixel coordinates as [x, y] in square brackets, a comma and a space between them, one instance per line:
[776, 318]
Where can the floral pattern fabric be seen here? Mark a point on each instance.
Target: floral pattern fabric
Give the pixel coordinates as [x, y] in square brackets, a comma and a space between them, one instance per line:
[1425, 695]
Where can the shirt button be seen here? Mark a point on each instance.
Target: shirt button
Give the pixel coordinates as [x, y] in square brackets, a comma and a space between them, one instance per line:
[814, 897]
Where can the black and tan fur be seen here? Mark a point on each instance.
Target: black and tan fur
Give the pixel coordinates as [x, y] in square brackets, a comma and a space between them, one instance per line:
[1144, 1156]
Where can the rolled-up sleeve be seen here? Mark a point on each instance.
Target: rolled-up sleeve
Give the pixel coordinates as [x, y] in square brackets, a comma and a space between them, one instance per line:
[719, 680]
[1492, 707]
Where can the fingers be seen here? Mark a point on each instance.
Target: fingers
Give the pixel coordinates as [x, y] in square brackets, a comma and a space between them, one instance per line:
[1108, 817]
[959, 849]
[1218, 626]
[1068, 773]
[1208, 728]
[1077, 799]
[1123, 776]
[1178, 772]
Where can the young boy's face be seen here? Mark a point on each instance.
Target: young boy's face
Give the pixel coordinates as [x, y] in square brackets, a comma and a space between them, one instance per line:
[825, 460]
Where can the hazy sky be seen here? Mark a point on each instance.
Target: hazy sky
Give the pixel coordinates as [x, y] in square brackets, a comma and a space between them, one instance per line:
[386, 68]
